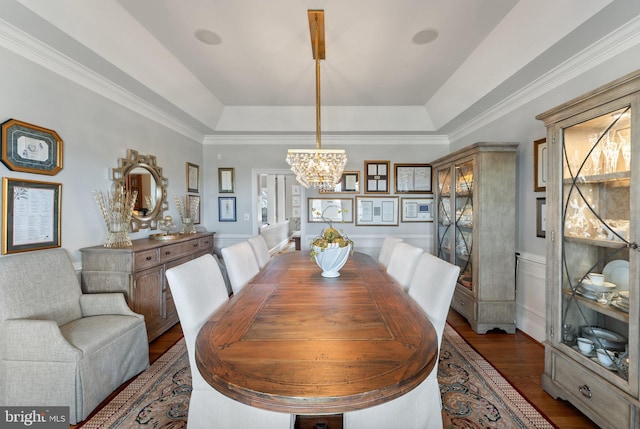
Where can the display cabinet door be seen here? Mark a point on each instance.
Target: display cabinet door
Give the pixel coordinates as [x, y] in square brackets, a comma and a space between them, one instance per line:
[445, 218]
[599, 292]
[464, 221]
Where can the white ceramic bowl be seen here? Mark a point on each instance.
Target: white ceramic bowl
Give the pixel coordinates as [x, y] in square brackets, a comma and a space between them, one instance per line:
[604, 287]
[331, 259]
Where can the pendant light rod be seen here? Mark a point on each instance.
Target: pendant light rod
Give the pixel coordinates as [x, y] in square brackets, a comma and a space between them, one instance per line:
[317, 168]
[316, 27]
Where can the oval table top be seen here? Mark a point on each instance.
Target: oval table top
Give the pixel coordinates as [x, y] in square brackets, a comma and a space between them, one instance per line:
[293, 341]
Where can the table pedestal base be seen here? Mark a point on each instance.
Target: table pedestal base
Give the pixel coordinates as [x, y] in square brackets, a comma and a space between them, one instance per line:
[332, 421]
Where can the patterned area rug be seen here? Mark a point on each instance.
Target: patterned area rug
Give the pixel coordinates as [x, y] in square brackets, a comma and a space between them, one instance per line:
[474, 394]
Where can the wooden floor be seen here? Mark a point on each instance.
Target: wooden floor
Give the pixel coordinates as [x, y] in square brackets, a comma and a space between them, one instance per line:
[518, 357]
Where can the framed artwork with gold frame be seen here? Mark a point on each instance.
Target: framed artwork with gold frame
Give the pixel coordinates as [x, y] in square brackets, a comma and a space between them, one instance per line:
[226, 180]
[193, 178]
[540, 154]
[30, 215]
[339, 210]
[349, 184]
[31, 149]
[412, 178]
[376, 211]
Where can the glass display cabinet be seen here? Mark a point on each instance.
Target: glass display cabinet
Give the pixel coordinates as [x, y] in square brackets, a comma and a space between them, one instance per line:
[592, 264]
[475, 229]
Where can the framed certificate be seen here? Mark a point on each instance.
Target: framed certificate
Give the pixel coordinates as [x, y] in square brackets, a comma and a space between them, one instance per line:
[226, 180]
[31, 215]
[417, 209]
[193, 178]
[412, 178]
[376, 211]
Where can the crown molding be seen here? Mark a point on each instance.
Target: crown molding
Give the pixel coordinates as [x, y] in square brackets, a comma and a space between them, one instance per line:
[331, 139]
[597, 53]
[32, 49]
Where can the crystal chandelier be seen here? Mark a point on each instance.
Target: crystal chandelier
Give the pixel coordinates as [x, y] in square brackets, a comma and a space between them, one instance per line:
[318, 168]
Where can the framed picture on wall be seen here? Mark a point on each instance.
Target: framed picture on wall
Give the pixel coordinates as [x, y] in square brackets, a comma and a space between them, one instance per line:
[540, 155]
[541, 217]
[376, 211]
[226, 180]
[30, 148]
[30, 215]
[412, 178]
[376, 180]
[226, 209]
[193, 178]
[333, 209]
[348, 184]
[416, 209]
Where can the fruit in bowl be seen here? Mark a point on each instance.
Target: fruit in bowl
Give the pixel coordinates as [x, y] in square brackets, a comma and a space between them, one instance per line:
[331, 249]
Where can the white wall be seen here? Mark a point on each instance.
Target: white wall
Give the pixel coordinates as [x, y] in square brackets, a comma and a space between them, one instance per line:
[95, 133]
[245, 158]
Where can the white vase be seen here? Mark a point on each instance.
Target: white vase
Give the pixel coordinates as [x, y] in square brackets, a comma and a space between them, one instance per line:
[331, 259]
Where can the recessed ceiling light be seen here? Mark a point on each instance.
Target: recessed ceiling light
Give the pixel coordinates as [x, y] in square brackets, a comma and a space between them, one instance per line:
[208, 37]
[425, 36]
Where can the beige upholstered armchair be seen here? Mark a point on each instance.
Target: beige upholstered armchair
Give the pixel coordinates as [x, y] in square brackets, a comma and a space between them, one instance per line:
[58, 346]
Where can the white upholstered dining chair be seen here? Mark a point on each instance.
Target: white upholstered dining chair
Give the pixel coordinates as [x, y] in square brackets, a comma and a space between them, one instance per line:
[198, 290]
[241, 264]
[402, 263]
[432, 287]
[387, 248]
[260, 249]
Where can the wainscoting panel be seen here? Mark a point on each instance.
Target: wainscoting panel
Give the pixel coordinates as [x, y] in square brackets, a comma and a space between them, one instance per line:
[530, 295]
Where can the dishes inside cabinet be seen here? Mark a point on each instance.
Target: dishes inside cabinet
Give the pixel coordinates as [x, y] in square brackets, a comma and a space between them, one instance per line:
[586, 294]
[620, 305]
[605, 287]
[617, 272]
[605, 338]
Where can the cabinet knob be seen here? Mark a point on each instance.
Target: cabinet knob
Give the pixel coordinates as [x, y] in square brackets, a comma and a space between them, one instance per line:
[168, 252]
[195, 244]
[149, 258]
[462, 302]
[584, 389]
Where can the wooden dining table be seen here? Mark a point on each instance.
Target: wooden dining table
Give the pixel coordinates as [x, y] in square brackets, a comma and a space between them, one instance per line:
[293, 341]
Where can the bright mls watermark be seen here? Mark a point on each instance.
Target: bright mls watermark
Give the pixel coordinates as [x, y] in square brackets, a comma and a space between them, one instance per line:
[34, 417]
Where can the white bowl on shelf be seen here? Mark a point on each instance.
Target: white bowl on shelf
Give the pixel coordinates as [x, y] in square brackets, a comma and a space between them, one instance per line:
[604, 287]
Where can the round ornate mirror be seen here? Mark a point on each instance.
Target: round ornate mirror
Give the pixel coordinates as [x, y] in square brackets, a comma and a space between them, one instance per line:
[140, 173]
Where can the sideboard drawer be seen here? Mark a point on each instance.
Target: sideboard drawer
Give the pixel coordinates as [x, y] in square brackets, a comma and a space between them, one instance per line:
[463, 304]
[593, 392]
[173, 251]
[206, 242]
[147, 259]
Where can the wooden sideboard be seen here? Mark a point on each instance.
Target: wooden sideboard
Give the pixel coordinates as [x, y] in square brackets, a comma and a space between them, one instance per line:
[139, 272]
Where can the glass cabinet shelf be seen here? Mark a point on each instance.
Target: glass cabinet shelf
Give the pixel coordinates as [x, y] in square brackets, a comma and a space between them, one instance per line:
[601, 308]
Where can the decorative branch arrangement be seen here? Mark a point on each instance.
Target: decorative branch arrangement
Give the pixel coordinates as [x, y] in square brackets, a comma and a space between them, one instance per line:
[116, 209]
[187, 213]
